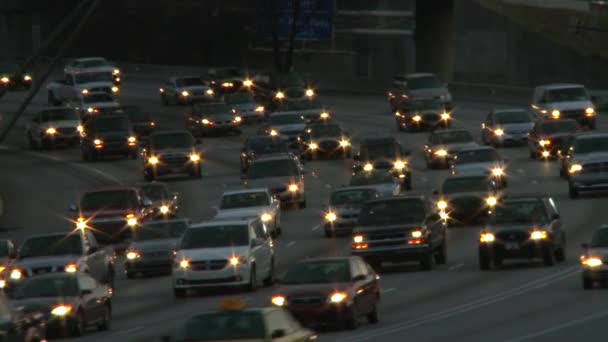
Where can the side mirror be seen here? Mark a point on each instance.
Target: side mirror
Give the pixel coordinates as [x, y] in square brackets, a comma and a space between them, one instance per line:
[147, 203]
[359, 277]
[85, 292]
[585, 245]
[92, 249]
[555, 217]
[73, 207]
[356, 157]
[278, 334]
[435, 192]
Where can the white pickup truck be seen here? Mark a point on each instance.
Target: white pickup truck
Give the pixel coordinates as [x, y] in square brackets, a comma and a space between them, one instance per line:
[78, 83]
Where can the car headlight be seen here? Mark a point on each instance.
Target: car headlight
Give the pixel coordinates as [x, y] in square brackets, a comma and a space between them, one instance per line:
[293, 187]
[274, 133]
[545, 154]
[195, 157]
[497, 171]
[544, 142]
[574, 168]
[206, 121]
[445, 116]
[132, 254]
[589, 111]
[235, 260]
[259, 109]
[209, 92]
[84, 91]
[115, 89]
[248, 83]
[131, 220]
[279, 95]
[51, 131]
[337, 297]
[61, 310]
[27, 78]
[164, 209]
[310, 92]
[185, 93]
[592, 261]
[416, 234]
[441, 153]
[358, 238]
[153, 160]
[313, 146]
[227, 84]
[16, 274]
[238, 119]
[368, 167]
[417, 118]
[80, 128]
[90, 109]
[184, 264]
[538, 235]
[330, 216]
[399, 165]
[98, 142]
[324, 116]
[344, 143]
[491, 201]
[5, 79]
[81, 223]
[116, 72]
[266, 217]
[444, 216]
[486, 237]
[71, 268]
[499, 132]
[132, 139]
[442, 205]
[278, 300]
[555, 114]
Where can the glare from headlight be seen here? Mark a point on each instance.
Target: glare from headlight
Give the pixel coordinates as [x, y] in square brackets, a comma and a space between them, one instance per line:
[71, 268]
[84, 91]
[248, 83]
[499, 132]
[589, 111]
[279, 95]
[445, 116]
[293, 187]
[132, 139]
[441, 153]
[486, 237]
[259, 109]
[399, 165]
[5, 79]
[274, 133]
[497, 171]
[358, 238]
[278, 300]
[491, 201]
[344, 143]
[544, 142]
[164, 209]
[538, 235]
[238, 119]
[81, 223]
[574, 168]
[313, 146]
[266, 217]
[593, 262]
[310, 93]
[185, 93]
[416, 234]
[338, 297]
[61, 310]
[153, 160]
[115, 89]
[195, 157]
[546, 154]
[234, 261]
[80, 128]
[51, 131]
[132, 255]
[556, 114]
[442, 205]
[330, 216]
[131, 220]
[209, 92]
[324, 115]
[417, 118]
[27, 78]
[184, 264]
[97, 142]
[115, 72]
[16, 274]
[368, 167]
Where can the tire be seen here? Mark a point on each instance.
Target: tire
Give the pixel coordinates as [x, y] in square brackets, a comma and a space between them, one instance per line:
[302, 204]
[548, 259]
[426, 262]
[268, 281]
[441, 257]
[33, 144]
[78, 327]
[573, 192]
[179, 293]
[107, 319]
[196, 173]
[484, 261]
[352, 323]
[587, 283]
[251, 287]
[329, 233]
[372, 317]
[130, 274]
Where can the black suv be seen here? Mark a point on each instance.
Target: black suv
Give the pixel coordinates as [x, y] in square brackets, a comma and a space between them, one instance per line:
[171, 152]
[401, 228]
[383, 153]
[522, 226]
[107, 135]
[141, 121]
[256, 146]
[327, 139]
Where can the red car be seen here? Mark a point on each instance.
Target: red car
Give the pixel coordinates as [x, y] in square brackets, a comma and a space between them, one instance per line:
[338, 290]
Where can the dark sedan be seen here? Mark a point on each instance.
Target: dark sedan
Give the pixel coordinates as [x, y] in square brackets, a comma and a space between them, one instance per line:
[256, 146]
[551, 138]
[322, 291]
[141, 121]
[71, 302]
[328, 139]
[11, 81]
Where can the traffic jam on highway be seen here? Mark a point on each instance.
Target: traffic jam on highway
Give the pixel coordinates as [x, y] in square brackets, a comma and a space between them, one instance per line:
[64, 284]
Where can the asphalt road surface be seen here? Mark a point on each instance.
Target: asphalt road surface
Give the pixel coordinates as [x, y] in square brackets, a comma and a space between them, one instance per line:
[455, 302]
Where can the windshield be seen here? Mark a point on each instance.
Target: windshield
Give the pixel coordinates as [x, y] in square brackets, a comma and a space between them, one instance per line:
[477, 156]
[600, 238]
[529, 211]
[171, 140]
[402, 211]
[189, 82]
[590, 145]
[91, 77]
[116, 124]
[224, 326]
[373, 151]
[51, 245]
[291, 80]
[273, 168]
[66, 286]
[240, 98]
[109, 200]
[160, 230]
[133, 112]
[215, 236]
[213, 109]
[352, 197]
[513, 117]
[326, 131]
[469, 184]
[426, 104]
[93, 63]
[154, 192]
[454, 137]
[370, 178]
[304, 104]
[318, 272]
[567, 94]
[267, 146]
[101, 97]
[423, 82]
[244, 200]
[286, 119]
[558, 126]
[58, 115]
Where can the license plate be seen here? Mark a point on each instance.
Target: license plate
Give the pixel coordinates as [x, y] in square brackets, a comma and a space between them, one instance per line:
[511, 246]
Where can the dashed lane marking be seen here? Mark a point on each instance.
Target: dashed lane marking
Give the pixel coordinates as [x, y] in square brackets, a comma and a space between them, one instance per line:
[388, 290]
[455, 267]
[316, 227]
[291, 243]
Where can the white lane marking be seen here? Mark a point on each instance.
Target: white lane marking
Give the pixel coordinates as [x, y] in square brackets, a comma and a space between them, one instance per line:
[466, 307]
[534, 182]
[455, 267]
[424, 179]
[128, 331]
[389, 290]
[316, 227]
[559, 327]
[291, 243]
[105, 175]
[328, 186]
[520, 171]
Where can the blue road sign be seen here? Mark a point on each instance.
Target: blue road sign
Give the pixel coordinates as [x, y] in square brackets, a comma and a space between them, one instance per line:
[315, 19]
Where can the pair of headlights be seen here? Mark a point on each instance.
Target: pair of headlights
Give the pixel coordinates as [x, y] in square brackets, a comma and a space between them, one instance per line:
[536, 235]
[334, 298]
[153, 160]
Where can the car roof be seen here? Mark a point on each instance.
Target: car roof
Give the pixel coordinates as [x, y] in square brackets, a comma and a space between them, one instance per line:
[354, 187]
[277, 156]
[245, 191]
[86, 59]
[510, 110]
[217, 222]
[552, 86]
[398, 198]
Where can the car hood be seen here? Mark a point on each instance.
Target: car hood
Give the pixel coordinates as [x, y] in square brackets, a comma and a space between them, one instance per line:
[212, 253]
[571, 105]
[169, 151]
[289, 290]
[385, 189]
[431, 92]
[98, 215]
[89, 85]
[43, 261]
[244, 213]
[401, 227]
[43, 304]
[600, 252]
[154, 245]
[517, 128]
[451, 148]
[272, 182]
[591, 157]
[475, 168]
[101, 105]
[219, 117]
[113, 135]
[464, 195]
[288, 128]
[245, 107]
[555, 136]
[513, 227]
[347, 209]
[62, 124]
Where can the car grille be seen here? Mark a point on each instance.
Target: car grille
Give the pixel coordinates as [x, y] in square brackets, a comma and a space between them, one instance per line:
[212, 281]
[108, 232]
[307, 300]
[517, 131]
[41, 270]
[466, 204]
[513, 235]
[174, 159]
[328, 145]
[208, 265]
[156, 254]
[595, 167]
[103, 89]
[383, 165]
[430, 117]
[573, 114]
[294, 93]
[67, 130]
[223, 122]
[386, 234]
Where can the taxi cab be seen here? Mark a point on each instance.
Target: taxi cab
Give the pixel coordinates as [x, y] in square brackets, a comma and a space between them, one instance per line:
[234, 322]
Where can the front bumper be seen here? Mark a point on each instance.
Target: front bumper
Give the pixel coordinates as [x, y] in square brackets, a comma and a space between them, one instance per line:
[393, 253]
[511, 139]
[320, 314]
[516, 250]
[149, 264]
[590, 182]
[172, 168]
[595, 273]
[341, 226]
[229, 276]
[109, 149]
[288, 197]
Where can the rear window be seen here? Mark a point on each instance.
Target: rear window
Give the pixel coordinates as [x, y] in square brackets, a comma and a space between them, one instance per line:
[391, 212]
[109, 200]
[115, 124]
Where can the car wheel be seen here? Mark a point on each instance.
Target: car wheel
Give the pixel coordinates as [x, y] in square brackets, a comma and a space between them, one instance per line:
[372, 317]
[548, 259]
[130, 274]
[441, 257]
[484, 261]
[426, 262]
[107, 319]
[33, 144]
[268, 281]
[352, 323]
[302, 204]
[179, 293]
[163, 100]
[573, 192]
[587, 283]
[251, 287]
[79, 324]
[329, 233]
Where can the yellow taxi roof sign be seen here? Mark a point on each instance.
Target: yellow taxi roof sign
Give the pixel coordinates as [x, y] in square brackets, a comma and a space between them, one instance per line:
[231, 305]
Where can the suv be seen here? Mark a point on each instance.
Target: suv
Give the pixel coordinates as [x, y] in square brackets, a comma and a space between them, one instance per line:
[257, 146]
[551, 138]
[506, 126]
[401, 228]
[383, 153]
[223, 253]
[404, 88]
[111, 213]
[324, 139]
[54, 125]
[283, 175]
[209, 118]
[60, 252]
[171, 152]
[564, 101]
[522, 227]
[107, 135]
[467, 198]
[423, 113]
